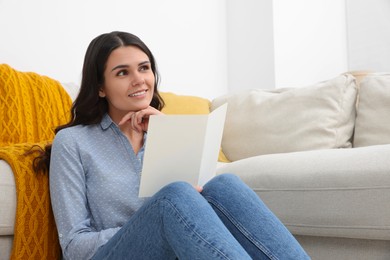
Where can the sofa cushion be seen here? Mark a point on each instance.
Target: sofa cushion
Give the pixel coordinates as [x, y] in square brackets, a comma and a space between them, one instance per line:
[181, 104]
[373, 113]
[260, 121]
[331, 192]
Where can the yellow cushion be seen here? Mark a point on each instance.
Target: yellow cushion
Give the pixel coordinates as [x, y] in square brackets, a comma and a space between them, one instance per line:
[31, 106]
[222, 157]
[179, 104]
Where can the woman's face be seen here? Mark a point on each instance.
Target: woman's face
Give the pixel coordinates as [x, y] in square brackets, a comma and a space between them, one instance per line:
[128, 81]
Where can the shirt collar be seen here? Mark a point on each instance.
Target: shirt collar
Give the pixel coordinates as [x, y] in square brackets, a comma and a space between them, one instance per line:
[106, 122]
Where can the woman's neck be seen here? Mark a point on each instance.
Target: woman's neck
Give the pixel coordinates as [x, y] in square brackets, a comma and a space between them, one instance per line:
[135, 138]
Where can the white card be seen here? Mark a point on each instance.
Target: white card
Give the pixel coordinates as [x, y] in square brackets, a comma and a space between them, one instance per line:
[181, 148]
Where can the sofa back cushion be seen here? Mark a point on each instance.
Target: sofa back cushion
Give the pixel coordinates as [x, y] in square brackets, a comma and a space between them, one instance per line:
[261, 122]
[373, 113]
[31, 106]
[182, 104]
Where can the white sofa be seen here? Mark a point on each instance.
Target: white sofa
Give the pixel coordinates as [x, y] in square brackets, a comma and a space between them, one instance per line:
[319, 157]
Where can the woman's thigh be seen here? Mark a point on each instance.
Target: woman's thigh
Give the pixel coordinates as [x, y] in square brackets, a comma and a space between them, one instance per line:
[176, 222]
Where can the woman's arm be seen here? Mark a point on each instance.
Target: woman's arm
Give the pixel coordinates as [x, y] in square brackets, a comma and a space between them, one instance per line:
[77, 237]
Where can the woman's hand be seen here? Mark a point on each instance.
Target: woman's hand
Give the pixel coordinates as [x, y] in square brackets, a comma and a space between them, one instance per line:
[139, 120]
[198, 188]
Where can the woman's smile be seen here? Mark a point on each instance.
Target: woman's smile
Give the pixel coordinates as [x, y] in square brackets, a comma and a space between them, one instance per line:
[139, 94]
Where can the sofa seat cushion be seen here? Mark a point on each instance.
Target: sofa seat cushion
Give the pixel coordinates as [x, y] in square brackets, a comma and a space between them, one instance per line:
[373, 113]
[332, 192]
[320, 116]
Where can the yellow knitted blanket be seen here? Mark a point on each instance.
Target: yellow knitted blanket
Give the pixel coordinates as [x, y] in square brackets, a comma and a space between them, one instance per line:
[35, 234]
[31, 106]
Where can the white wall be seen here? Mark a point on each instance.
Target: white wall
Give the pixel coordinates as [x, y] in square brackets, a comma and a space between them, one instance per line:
[368, 35]
[310, 41]
[285, 43]
[250, 44]
[188, 38]
[204, 47]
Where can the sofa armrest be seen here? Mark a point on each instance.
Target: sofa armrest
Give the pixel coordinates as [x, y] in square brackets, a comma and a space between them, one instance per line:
[7, 199]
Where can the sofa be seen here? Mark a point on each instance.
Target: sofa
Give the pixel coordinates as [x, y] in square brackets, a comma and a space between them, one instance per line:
[318, 156]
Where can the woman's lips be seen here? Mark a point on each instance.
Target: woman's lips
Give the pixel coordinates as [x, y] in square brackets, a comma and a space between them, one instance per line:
[138, 93]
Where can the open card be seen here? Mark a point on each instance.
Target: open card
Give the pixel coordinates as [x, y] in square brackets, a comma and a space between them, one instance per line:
[181, 148]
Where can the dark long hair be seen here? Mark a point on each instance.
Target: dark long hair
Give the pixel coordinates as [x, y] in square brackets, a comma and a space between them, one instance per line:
[89, 108]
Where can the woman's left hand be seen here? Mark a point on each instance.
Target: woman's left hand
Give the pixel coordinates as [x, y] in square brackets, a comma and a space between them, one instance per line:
[198, 188]
[139, 120]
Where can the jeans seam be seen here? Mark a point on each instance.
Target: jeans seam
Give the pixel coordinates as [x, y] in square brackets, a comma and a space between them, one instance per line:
[242, 229]
[196, 233]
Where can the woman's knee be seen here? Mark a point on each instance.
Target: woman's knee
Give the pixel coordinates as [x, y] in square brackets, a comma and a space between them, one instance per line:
[226, 186]
[183, 197]
[226, 179]
[179, 188]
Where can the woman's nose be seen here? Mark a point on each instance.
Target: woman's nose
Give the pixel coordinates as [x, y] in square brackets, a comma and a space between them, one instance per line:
[138, 79]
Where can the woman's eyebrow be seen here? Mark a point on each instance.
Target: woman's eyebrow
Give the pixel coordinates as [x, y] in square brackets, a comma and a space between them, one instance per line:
[120, 67]
[144, 62]
[126, 66]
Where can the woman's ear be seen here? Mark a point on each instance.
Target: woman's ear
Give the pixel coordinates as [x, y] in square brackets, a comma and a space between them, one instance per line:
[102, 94]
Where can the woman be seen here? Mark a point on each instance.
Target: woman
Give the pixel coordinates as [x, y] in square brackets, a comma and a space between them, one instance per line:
[95, 168]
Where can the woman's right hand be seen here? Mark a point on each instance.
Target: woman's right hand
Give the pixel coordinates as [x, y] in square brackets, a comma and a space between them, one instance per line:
[139, 120]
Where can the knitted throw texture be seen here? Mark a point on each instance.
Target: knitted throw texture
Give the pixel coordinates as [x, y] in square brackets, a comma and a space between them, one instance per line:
[31, 107]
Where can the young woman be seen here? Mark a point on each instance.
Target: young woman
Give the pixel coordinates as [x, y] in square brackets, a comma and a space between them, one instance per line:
[95, 166]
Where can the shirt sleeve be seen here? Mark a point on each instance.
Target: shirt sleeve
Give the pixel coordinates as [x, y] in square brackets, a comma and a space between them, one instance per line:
[78, 239]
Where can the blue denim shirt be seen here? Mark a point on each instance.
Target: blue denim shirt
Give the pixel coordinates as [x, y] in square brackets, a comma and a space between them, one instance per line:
[94, 183]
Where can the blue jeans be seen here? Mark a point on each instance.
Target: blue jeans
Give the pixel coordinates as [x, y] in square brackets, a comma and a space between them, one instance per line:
[226, 221]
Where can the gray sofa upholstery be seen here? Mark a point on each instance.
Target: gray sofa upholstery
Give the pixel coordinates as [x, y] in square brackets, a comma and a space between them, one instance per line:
[335, 201]
[333, 195]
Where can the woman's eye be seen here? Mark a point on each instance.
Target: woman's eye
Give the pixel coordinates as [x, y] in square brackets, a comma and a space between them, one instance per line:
[122, 73]
[143, 68]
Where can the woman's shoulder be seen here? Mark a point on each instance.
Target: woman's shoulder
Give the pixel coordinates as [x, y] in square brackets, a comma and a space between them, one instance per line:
[73, 133]
[72, 130]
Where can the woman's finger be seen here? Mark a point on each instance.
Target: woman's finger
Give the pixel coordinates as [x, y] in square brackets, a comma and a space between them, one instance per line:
[139, 119]
[198, 188]
[126, 118]
[134, 122]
